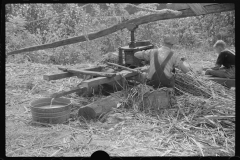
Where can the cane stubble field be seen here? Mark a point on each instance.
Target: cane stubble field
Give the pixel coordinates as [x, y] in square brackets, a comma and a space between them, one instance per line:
[197, 127]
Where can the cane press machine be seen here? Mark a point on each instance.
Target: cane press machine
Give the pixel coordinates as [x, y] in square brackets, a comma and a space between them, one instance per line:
[127, 52]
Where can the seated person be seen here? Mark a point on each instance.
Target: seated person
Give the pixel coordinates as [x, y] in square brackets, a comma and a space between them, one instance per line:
[226, 58]
[162, 64]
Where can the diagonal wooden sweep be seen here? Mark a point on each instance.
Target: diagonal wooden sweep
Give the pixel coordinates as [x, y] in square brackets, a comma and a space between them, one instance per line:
[161, 15]
[197, 8]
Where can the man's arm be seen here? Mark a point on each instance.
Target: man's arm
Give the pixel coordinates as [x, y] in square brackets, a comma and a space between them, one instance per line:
[145, 68]
[216, 67]
[183, 67]
[180, 64]
[219, 61]
[145, 54]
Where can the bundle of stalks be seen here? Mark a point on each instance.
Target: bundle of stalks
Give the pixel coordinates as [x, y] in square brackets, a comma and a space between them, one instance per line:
[189, 84]
[197, 85]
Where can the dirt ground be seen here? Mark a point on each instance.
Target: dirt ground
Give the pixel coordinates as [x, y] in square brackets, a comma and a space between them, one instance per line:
[126, 132]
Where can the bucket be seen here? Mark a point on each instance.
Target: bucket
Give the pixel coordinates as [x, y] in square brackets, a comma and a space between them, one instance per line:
[58, 113]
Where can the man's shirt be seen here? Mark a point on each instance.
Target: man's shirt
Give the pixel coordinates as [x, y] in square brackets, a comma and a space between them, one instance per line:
[226, 58]
[175, 60]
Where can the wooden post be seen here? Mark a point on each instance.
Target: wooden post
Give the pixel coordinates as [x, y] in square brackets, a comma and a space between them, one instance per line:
[120, 56]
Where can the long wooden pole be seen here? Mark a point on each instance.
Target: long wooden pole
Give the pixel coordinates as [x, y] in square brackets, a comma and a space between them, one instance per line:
[104, 80]
[126, 68]
[145, 19]
[92, 73]
[73, 90]
[162, 15]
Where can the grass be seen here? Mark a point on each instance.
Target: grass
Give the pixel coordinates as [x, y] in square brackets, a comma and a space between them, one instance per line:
[196, 127]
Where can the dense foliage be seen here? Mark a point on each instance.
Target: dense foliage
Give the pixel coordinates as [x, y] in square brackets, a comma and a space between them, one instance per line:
[36, 24]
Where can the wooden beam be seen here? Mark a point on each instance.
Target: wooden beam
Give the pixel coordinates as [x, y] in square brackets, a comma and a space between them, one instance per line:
[197, 8]
[92, 73]
[102, 80]
[215, 8]
[73, 90]
[223, 81]
[129, 69]
[163, 14]
[184, 6]
[131, 9]
[57, 76]
[66, 75]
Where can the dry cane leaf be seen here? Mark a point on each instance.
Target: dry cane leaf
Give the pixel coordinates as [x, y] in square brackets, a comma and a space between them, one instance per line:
[55, 152]
[165, 153]
[200, 146]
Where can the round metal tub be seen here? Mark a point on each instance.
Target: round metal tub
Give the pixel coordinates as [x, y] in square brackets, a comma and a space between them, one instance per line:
[58, 113]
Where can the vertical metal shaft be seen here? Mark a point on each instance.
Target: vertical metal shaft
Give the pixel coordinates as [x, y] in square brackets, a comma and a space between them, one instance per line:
[132, 36]
[120, 56]
[132, 43]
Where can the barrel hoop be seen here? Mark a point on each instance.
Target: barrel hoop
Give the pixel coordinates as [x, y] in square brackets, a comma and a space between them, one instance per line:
[54, 102]
[52, 117]
[47, 123]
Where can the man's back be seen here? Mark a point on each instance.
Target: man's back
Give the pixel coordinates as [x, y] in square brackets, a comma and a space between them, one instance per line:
[226, 58]
[174, 61]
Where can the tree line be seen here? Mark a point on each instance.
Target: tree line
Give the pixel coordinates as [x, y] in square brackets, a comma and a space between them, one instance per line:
[36, 24]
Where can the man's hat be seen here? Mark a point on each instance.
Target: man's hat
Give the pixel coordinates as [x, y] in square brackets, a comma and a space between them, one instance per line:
[170, 40]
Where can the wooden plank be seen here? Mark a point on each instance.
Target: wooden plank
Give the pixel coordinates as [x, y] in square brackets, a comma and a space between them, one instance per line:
[63, 93]
[223, 81]
[210, 9]
[162, 15]
[132, 9]
[57, 76]
[92, 73]
[129, 69]
[197, 8]
[102, 80]
[66, 75]
[183, 6]
[97, 68]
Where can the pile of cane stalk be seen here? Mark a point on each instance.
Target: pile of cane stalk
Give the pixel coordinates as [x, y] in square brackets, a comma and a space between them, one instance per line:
[198, 86]
[187, 83]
